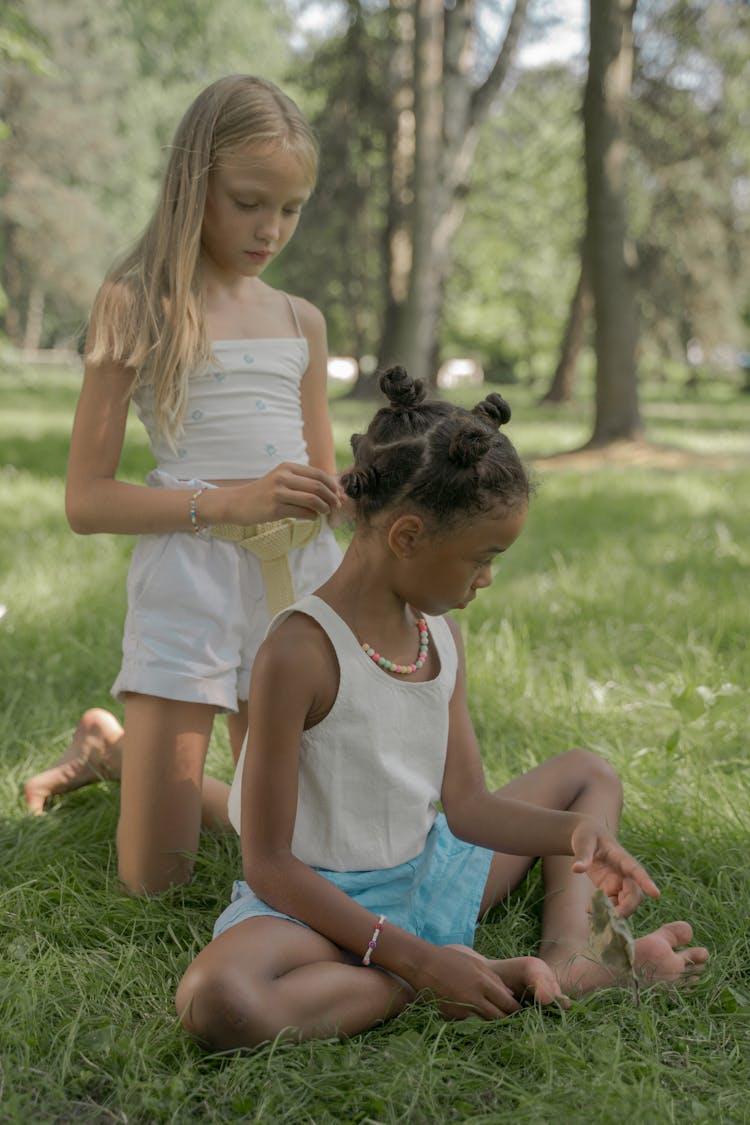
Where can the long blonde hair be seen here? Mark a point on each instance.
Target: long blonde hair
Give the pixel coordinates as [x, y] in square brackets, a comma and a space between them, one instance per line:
[149, 312]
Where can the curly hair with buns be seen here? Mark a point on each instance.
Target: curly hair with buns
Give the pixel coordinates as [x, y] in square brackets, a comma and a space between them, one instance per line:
[449, 463]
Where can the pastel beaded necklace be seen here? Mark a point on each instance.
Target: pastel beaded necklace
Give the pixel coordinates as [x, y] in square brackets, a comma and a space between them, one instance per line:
[403, 669]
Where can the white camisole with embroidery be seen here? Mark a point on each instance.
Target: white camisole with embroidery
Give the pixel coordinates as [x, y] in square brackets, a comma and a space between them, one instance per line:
[244, 411]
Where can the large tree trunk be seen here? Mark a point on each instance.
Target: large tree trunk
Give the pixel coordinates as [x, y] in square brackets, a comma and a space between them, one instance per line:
[447, 112]
[610, 254]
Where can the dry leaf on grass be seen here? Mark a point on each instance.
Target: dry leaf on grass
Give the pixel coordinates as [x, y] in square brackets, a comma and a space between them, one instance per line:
[611, 941]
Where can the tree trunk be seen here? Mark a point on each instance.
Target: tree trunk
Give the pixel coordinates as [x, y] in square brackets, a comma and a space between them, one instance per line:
[13, 285]
[610, 254]
[446, 112]
[561, 387]
[414, 333]
[32, 336]
[400, 162]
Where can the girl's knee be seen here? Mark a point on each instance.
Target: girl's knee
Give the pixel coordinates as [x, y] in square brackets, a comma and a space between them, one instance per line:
[592, 769]
[143, 877]
[218, 1010]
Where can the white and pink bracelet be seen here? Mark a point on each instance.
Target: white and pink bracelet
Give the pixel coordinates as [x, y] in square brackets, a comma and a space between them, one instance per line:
[373, 940]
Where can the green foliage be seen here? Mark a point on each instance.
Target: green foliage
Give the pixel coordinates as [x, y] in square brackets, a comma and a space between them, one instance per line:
[618, 621]
[92, 90]
[21, 43]
[337, 259]
[517, 250]
[64, 153]
[691, 212]
[86, 137]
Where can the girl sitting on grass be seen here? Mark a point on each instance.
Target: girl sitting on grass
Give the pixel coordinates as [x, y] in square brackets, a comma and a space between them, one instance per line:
[359, 895]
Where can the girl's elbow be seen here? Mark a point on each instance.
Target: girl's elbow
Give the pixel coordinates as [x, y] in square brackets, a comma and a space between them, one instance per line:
[461, 815]
[78, 526]
[76, 517]
[456, 823]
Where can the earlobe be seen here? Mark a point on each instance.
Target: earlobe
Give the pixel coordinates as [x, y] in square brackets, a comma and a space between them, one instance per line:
[405, 535]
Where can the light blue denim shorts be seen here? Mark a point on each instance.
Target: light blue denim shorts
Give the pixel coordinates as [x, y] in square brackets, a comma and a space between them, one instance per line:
[436, 896]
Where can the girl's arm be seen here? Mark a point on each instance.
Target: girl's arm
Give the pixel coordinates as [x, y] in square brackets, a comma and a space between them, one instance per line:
[316, 418]
[294, 682]
[520, 828]
[94, 499]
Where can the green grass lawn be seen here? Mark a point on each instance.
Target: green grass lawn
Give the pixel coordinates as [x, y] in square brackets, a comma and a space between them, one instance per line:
[619, 622]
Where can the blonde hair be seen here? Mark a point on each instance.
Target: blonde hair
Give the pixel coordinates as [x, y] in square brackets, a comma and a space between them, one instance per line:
[149, 312]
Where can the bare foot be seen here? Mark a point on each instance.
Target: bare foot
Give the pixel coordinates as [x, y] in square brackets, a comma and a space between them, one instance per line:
[94, 754]
[658, 960]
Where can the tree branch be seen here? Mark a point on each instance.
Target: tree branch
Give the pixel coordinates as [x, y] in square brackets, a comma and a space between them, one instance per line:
[484, 94]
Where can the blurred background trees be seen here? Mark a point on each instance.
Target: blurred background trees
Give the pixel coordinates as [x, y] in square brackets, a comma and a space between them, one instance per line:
[454, 215]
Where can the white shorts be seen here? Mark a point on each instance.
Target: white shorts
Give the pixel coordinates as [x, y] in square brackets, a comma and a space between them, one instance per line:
[197, 611]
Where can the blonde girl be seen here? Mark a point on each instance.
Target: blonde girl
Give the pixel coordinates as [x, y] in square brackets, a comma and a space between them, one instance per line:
[228, 376]
[358, 895]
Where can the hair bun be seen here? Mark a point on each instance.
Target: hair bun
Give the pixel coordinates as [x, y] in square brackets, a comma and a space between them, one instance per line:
[403, 392]
[469, 444]
[359, 482]
[494, 409]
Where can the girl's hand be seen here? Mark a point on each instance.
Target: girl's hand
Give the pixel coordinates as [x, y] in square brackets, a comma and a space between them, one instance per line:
[608, 866]
[289, 490]
[464, 983]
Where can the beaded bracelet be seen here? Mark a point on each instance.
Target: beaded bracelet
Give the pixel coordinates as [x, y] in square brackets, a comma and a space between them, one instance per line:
[373, 940]
[193, 513]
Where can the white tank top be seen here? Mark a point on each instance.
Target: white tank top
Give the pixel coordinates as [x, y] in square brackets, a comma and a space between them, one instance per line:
[371, 772]
[244, 412]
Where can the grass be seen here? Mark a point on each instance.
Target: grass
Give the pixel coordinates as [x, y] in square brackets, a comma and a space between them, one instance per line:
[619, 621]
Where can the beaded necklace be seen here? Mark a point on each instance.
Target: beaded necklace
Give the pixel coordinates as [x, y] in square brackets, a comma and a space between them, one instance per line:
[403, 669]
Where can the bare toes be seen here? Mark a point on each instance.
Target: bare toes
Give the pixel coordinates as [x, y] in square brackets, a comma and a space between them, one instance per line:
[676, 933]
[695, 959]
[35, 798]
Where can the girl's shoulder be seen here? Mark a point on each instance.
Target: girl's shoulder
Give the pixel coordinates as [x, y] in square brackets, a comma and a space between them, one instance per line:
[310, 317]
[114, 298]
[298, 656]
[295, 638]
[113, 325]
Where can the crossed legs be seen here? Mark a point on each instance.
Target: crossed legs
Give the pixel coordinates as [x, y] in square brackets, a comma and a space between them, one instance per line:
[268, 976]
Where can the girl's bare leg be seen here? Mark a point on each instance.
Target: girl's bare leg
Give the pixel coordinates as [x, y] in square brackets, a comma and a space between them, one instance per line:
[268, 976]
[95, 754]
[162, 796]
[579, 781]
